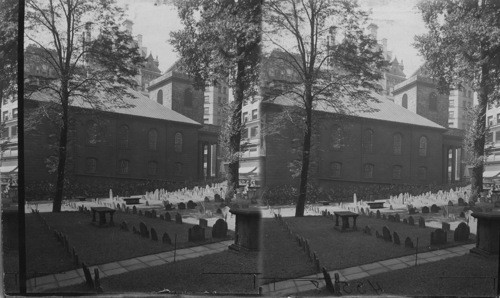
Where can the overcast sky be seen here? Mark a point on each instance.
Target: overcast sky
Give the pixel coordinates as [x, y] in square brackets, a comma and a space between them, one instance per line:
[398, 21]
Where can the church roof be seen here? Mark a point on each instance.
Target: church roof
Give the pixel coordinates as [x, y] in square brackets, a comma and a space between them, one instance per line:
[141, 106]
[151, 64]
[384, 110]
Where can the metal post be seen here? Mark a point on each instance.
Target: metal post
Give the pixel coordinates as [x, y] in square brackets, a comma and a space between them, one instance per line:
[416, 253]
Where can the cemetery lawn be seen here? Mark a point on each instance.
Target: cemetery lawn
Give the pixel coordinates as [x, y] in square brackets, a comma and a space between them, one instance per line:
[282, 257]
[96, 245]
[337, 250]
[463, 277]
[187, 276]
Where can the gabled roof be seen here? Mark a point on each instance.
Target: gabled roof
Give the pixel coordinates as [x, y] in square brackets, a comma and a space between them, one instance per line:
[385, 110]
[142, 106]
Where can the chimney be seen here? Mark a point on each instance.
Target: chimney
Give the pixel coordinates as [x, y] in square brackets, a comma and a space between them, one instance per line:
[373, 30]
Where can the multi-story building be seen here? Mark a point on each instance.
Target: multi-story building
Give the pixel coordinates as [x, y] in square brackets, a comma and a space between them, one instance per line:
[491, 174]
[9, 143]
[251, 140]
[461, 101]
[216, 99]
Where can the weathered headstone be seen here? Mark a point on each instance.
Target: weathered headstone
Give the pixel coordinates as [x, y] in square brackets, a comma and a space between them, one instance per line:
[203, 223]
[153, 213]
[362, 211]
[370, 214]
[450, 203]
[134, 210]
[408, 243]
[391, 218]
[462, 214]
[191, 204]
[435, 208]
[196, 233]
[405, 221]
[412, 210]
[378, 214]
[139, 212]
[461, 202]
[144, 230]
[206, 200]
[383, 216]
[124, 226]
[219, 230]
[219, 211]
[166, 239]
[367, 230]
[438, 237]
[154, 236]
[168, 217]
[218, 198]
[425, 209]
[397, 218]
[421, 222]
[395, 236]
[181, 206]
[445, 226]
[88, 277]
[178, 218]
[462, 232]
[386, 234]
[162, 217]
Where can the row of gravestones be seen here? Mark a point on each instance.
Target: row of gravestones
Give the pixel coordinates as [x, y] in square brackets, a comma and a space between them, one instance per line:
[181, 206]
[461, 234]
[386, 236]
[312, 256]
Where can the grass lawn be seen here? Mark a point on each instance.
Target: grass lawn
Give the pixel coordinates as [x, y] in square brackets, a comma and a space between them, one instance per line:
[282, 257]
[96, 245]
[338, 250]
[187, 276]
[455, 277]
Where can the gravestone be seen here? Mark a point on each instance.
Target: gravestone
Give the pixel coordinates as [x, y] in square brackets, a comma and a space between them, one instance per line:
[450, 203]
[134, 210]
[445, 214]
[405, 221]
[196, 233]
[421, 222]
[438, 237]
[397, 218]
[391, 218]
[181, 206]
[367, 230]
[378, 214]
[168, 217]
[362, 211]
[377, 234]
[166, 239]
[154, 236]
[168, 206]
[461, 202]
[445, 226]
[178, 218]
[134, 230]
[390, 207]
[367, 210]
[88, 277]
[217, 198]
[162, 217]
[144, 230]
[425, 209]
[206, 200]
[395, 236]
[147, 203]
[191, 204]
[462, 232]
[412, 210]
[127, 210]
[371, 214]
[462, 215]
[386, 234]
[408, 243]
[153, 213]
[383, 216]
[124, 226]
[147, 214]
[219, 230]
[139, 212]
[203, 223]
[218, 211]
[435, 208]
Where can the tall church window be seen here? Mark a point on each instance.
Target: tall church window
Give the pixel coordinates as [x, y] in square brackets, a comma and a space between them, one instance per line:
[123, 136]
[336, 138]
[188, 97]
[422, 148]
[368, 171]
[91, 133]
[152, 139]
[404, 101]
[159, 97]
[397, 143]
[335, 169]
[368, 141]
[433, 101]
[178, 142]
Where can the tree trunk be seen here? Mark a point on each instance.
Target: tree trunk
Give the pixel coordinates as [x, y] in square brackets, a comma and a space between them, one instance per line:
[301, 201]
[477, 170]
[63, 143]
[235, 134]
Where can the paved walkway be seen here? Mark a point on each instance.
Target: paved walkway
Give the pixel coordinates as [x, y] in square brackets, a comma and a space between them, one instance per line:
[75, 277]
[291, 287]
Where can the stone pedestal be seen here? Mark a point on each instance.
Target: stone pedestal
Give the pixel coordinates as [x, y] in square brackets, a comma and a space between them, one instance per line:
[488, 232]
[247, 231]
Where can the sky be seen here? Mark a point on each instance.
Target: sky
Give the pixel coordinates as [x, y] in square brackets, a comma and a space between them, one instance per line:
[398, 21]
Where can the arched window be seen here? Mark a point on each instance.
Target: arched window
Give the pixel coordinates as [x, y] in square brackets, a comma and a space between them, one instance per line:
[123, 133]
[91, 133]
[178, 142]
[90, 165]
[152, 139]
[188, 97]
[368, 170]
[404, 101]
[433, 101]
[123, 166]
[335, 169]
[152, 168]
[336, 138]
[159, 97]
[396, 172]
[422, 173]
[397, 142]
[422, 147]
[368, 141]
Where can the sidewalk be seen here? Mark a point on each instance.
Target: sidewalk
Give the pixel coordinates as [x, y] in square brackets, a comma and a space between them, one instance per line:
[76, 276]
[291, 286]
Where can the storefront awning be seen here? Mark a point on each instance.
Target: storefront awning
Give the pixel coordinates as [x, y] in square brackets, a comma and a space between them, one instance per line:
[247, 170]
[490, 174]
[8, 169]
